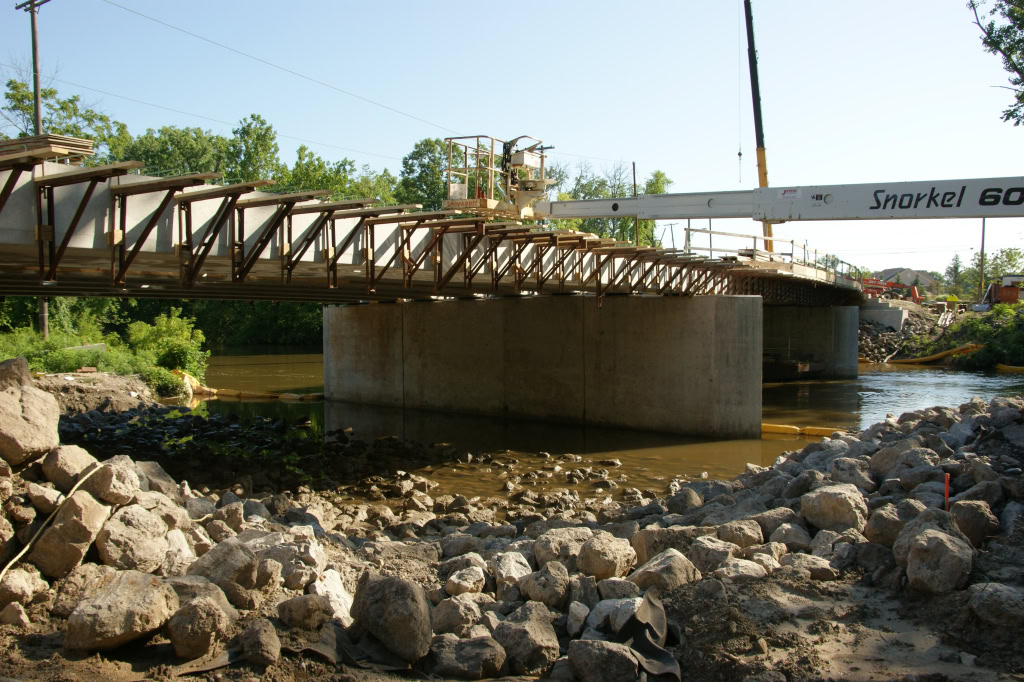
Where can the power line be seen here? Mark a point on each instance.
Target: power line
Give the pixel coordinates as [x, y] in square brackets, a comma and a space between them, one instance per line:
[205, 118]
[282, 68]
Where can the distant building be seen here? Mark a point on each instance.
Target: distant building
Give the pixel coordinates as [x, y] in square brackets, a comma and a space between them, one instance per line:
[907, 276]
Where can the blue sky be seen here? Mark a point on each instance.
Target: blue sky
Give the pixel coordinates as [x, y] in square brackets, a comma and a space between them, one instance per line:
[851, 91]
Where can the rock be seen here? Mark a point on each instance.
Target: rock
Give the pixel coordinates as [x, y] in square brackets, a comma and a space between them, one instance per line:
[260, 643]
[598, 661]
[835, 507]
[133, 538]
[666, 571]
[530, 644]
[605, 556]
[192, 587]
[199, 507]
[196, 627]
[617, 588]
[82, 584]
[562, 545]
[549, 585]
[115, 482]
[794, 537]
[583, 588]
[301, 560]
[743, 533]
[20, 585]
[929, 519]
[396, 612]
[268, 574]
[14, 614]
[887, 521]
[508, 568]
[650, 541]
[776, 550]
[330, 585]
[230, 560]
[130, 607]
[44, 499]
[938, 562]
[853, 471]
[64, 465]
[683, 501]
[306, 612]
[996, 604]
[467, 659]
[976, 520]
[989, 491]
[771, 520]
[28, 415]
[708, 553]
[219, 531]
[62, 546]
[232, 515]
[818, 567]
[577, 617]
[152, 477]
[164, 507]
[740, 571]
[455, 615]
[470, 579]
[766, 561]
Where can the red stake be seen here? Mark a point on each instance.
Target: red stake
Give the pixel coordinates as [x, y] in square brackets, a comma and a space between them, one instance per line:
[947, 492]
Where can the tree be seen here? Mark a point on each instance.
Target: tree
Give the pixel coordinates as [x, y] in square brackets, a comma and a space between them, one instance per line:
[657, 183]
[62, 117]
[378, 185]
[312, 172]
[253, 152]
[179, 150]
[1002, 34]
[955, 276]
[420, 181]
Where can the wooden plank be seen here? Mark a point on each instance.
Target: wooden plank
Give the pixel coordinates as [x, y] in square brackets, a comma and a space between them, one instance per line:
[406, 217]
[160, 184]
[223, 190]
[373, 212]
[31, 156]
[86, 174]
[325, 206]
[275, 199]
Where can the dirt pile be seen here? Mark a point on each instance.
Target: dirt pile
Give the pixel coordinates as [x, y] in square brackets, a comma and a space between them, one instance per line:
[837, 561]
[82, 392]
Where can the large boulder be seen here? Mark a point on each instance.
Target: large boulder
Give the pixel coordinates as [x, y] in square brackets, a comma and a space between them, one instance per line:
[455, 615]
[330, 586]
[65, 464]
[835, 507]
[115, 482]
[396, 612]
[229, 561]
[886, 522]
[597, 661]
[196, 627]
[938, 562]
[62, 546]
[562, 545]
[508, 568]
[997, 604]
[650, 541]
[28, 415]
[133, 605]
[742, 533]
[605, 556]
[133, 538]
[666, 571]
[976, 520]
[477, 658]
[793, 536]
[853, 471]
[260, 643]
[549, 585]
[708, 553]
[529, 641]
[21, 585]
[929, 519]
[306, 612]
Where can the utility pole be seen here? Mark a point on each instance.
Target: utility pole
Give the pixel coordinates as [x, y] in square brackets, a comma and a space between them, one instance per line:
[32, 7]
[636, 218]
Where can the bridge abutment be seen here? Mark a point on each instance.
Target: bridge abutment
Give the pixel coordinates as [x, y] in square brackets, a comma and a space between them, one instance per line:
[676, 364]
[816, 342]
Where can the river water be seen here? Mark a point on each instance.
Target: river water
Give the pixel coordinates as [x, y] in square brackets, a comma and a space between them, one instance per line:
[649, 459]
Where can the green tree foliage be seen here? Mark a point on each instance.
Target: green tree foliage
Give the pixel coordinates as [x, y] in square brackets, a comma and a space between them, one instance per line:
[420, 181]
[586, 183]
[179, 150]
[62, 116]
[252, 152]
[955, 276]
[381, 185]
[1002, 34]
[1001, 331]
[312, 172]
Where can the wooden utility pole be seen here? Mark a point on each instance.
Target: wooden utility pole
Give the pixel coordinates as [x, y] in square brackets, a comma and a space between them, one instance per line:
[636, 218]
[32, 7]
[981, 270]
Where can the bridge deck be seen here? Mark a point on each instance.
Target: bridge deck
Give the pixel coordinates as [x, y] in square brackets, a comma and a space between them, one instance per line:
[102, 231]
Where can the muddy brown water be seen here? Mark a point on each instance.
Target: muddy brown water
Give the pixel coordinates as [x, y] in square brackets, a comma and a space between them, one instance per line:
[649, 460]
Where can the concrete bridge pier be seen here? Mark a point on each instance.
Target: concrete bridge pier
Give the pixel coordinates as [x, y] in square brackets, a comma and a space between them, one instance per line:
[687, 365]
[810, 342]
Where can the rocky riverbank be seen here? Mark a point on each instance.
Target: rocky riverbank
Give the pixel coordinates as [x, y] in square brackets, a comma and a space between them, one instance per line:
[838, 561]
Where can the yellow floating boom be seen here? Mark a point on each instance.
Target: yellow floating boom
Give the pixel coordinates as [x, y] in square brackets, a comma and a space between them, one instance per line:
[959, 350]
[799, 430]
[1009, 368]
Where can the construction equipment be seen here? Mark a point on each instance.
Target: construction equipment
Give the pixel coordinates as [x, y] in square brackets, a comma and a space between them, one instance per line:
[1007, 291]
[876, 288]
[495, 178]
[755, 95]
